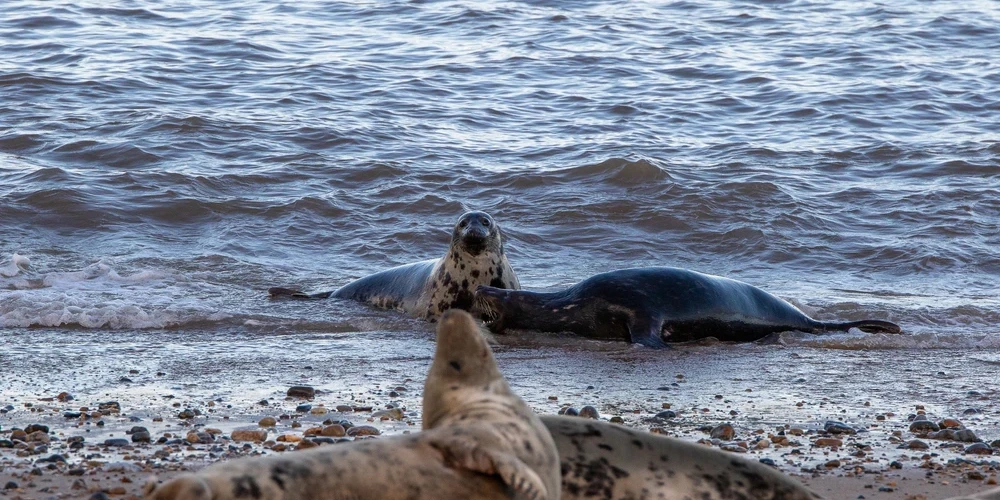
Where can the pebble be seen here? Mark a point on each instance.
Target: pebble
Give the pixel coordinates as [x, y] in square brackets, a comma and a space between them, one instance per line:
[18, 435]
[306, 444]
[589, 412]
[303, 408]
[254, 435]
[768, 462]
[319, 410]
[363, 430]
[344, 408]
[835, 427]
[267, 422]
[950, 423]
[831, 442]
[975, 475]
[895, 465]
[392, 414]
[11, 485]
[116, 442]
[335, 430]
[186, 414]
[665, 415]
[6, 443]
[923, 427]
[916, 444]
[301, 391]
[832, 464]
[725, 432]
[72, 414]
[569, 410]
[979, 449]
[53, 459]
[972, 411]
[33, 428]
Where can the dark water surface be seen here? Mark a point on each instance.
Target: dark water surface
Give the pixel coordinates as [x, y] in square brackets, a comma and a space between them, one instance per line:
[163, 163]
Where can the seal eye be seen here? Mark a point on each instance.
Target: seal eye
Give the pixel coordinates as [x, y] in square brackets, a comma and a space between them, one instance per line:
[486, 223]
[456, 365]
[465, 222]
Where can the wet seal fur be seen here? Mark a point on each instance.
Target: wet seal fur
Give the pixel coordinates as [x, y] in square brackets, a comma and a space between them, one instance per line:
[479, 440]
[993, 494]
[428, 288]
[655, 305]
[604, 460]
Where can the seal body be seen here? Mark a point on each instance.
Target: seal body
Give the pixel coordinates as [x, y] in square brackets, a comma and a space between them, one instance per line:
[479, 441]
[656, 305]
[608, 461]
[426, 289]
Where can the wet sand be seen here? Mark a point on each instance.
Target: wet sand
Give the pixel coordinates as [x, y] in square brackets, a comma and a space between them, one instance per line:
[191, 391]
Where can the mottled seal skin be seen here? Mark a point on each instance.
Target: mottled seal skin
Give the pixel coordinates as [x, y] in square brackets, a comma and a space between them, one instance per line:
[655, 305]
[428, 288]
[993, 494]
[479, 441]
[608, 461]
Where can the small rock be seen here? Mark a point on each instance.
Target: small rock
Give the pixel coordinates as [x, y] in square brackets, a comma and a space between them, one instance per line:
[39, 437]
[137, 428]
[303, 408]
[319, 410]
[344, 408]
[616, 420]
[18, 435]
[79, 483]
[252, 435]
[665, 415]
[301, 391]
[53, 459]
[306, 444]
[33, 428]
[569, 410]
[267, 422]
[186, 414]
[769, 462]
[363, 430]
[141, 437]
[6, 443]
[831, 442]
[334, 430]
[116, 442]
[916, 444]
[11, 485]
[971, 411]
[979, 449]
[391, 414]
[923, 427]
[835, 427]
[832, 464]
[975, 475]
[895, 465]
[72, 414]
[950, 423]
[589, 412]
[725, 432]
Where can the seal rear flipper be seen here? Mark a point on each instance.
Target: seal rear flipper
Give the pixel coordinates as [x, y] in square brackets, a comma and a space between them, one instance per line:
[465, 453]
[277, 292]
[647, 332]
[867, 326]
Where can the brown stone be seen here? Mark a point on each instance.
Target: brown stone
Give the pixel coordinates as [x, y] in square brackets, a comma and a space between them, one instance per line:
[831, 442]
[256, 436]
[362, 430]
[267, 422]
[335, 430]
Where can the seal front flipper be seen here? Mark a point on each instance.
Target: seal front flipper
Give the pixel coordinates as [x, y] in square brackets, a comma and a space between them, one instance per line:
[647, 331]
[277, 292]
[867, 326]
[464, 453]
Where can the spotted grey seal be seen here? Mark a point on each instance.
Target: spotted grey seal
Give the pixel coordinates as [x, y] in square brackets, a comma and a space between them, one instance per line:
[609, 461]
[653, 305]
[479, 440]
[428, 288]
[992, 494]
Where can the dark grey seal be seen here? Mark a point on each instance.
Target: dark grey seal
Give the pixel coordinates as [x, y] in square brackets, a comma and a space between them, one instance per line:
[654, 305]
[429, 288]
[603, 460]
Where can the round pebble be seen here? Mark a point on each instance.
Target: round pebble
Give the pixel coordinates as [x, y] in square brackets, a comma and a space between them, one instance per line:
[725, 432]
[301, 391]
[363, 430]
[923, 427]
[589, 412]
[979, 449]
[267, 422]
[334, 430]
[835, 427]
[253, 435]
[831, 442]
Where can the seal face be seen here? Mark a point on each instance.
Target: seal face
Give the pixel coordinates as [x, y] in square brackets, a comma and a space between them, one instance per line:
[655, 305]
[479, 441]
[603, 460]
[426, 289]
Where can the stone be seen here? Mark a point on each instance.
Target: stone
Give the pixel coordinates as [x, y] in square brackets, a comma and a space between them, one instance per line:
[390, 414]
[18, 435]
[725, 432]
[116, 442]
[830, 442]
[344, 408]
[186, 414]
[11, 485]
[916, 444]
[616, 420]
[305, 444]
[267, 422]
[832, 464]
[303, 408]
[835, 427]
[141, 437]
[950, 423]
[923, 427]
[665, 415]
[37, 428]
[363, 430]
[301, 391]
[589, 412]
[252, 435]
[979, 449]
[335, 430]
[39, 437]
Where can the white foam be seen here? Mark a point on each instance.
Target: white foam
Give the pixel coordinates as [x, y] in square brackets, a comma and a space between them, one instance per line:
[17, 264]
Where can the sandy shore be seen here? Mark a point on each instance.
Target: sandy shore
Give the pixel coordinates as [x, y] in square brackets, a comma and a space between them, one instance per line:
[841, 420]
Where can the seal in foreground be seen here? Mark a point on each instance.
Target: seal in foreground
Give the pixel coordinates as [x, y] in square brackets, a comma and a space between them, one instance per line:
[428, 288]
[479, 441]
[604, 460]
[654, 305]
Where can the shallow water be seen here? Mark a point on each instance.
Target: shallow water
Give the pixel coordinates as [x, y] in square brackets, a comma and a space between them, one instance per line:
[163, 163]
